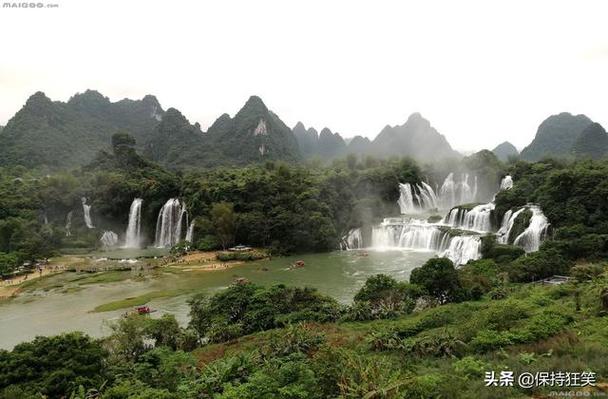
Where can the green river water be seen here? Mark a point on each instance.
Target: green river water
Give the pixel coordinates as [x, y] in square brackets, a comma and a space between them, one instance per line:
[53, 311]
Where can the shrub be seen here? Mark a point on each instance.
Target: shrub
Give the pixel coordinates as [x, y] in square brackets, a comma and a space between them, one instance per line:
[586, 272]
[245, 308]
[439, 278]
[382, 297]
[208, 243]
[539, 265]
[470, 367]
[226, 256]
[295, 338]
[53, 366]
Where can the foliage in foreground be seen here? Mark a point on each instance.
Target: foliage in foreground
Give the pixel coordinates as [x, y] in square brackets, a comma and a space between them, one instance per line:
[436, 351]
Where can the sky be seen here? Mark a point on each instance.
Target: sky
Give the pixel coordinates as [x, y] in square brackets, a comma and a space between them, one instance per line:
[481, 72]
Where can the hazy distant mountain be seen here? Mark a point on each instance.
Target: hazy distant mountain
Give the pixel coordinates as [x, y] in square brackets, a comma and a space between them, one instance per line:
[591, 143]
[556, 136]
[358, 145]
[59, 135]
[505, 150]
[416, 138]
[308, 140]
[325, 145]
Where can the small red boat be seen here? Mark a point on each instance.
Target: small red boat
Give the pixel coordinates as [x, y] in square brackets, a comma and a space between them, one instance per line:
[143, 310]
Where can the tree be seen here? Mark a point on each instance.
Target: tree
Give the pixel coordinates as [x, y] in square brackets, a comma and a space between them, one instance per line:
[53, 366]
[439, 278]
[223, 219]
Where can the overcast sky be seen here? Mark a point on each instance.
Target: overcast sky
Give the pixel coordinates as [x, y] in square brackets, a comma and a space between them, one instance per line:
[481, 71]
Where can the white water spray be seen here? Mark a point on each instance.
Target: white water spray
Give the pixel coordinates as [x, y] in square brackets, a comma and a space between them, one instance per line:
[352, 240]
[506, 183]
[87, 213]
[133, 233]
[169, 223]
[109, 239]
[190, 233]
[68, 224]
[534, 234]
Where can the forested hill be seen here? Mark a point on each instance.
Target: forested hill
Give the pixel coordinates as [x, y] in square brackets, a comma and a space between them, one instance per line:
[324, 145]
[55, 134]
[416, 138]
[555, 136]
[505, 150]
[591, 143]
[255, 134]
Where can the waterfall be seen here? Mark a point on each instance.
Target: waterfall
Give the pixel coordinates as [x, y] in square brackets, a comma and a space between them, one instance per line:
[454, 193]
[133, 234]
[169, 223]
[190, 233]
[87, 213]
[109, 239]
[416, 198]
[413, 234]
[428, 194]
[406, 200]
[478, 218]
[467, 194]
[352, 240]
[506, 183]
[531, 238]
[416, 234]
[68, 224]
[507, 224]
[447, 193]
[463, 249]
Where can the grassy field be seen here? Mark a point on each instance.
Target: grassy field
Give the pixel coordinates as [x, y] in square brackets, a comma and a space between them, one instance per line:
[445, 351]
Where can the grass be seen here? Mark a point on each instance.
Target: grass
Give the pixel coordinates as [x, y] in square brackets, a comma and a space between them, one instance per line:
[140, 300]
[566, 340]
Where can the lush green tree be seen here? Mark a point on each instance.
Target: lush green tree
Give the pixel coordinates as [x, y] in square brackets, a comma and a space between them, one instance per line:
[244, 308]
[439, 278]
[223, 219]
[53, 366]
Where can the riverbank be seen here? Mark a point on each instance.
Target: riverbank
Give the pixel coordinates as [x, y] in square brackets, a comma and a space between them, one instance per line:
[68, 301]
[10, 288]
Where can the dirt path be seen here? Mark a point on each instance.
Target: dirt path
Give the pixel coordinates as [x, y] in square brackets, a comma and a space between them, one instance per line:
[11, 287]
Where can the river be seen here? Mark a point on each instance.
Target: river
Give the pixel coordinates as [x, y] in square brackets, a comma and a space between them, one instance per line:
[338, 274]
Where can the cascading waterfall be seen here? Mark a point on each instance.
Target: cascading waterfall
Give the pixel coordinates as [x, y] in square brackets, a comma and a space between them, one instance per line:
[428, 195]
[477, 218]
[68, 224]
[532, 237]
[508, 220]
[506, 183]
[133, 233]
[416, 198]
[395, 233]
[463, 249]
[415, 234]
[169, 223]
[453, 193]
[352, 240]
[109, 239]
[87, 213]
[190, 233]
[406, 199]
[447, 193]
